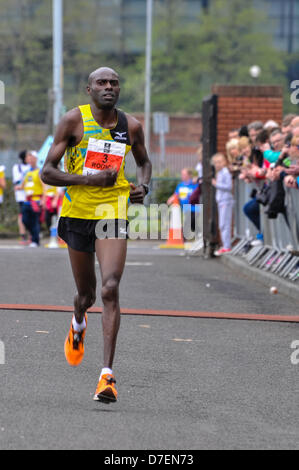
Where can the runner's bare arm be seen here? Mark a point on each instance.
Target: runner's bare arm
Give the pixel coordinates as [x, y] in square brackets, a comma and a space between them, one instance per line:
[144, 166]
[66, 137]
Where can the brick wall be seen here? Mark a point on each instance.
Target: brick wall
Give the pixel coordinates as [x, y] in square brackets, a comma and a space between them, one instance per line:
[184, 136]
[240, 105]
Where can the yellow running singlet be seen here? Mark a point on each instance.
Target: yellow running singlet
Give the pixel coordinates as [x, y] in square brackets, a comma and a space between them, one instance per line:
[98, 150]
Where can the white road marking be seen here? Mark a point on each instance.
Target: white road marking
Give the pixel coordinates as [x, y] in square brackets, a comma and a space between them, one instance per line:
[11, 247]
[183, 340]
[138, 263]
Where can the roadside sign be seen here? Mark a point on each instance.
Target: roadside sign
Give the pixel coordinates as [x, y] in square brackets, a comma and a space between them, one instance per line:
[161, 123]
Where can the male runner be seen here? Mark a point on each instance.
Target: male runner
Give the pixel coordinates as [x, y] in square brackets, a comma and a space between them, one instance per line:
[96, 139]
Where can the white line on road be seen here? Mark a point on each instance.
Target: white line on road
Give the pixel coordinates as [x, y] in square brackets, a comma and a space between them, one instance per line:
[138, 263]
[11, 247]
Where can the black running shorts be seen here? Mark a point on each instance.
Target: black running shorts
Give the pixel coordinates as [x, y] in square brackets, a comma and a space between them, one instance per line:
[81, 234]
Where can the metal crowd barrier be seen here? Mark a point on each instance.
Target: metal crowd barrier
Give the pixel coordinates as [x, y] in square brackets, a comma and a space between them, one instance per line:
[279, 253]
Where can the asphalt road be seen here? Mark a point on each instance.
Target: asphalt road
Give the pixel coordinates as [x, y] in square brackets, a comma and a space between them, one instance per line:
[183, 383]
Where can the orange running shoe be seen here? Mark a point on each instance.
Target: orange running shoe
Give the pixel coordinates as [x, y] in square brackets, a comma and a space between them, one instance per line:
[106, 391]
[74, 346]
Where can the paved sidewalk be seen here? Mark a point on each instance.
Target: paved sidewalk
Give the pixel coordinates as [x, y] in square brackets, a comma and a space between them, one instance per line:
[284, 286]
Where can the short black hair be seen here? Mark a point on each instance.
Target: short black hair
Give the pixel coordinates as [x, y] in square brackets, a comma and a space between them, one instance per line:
[263, 136]
[288, 139]
[243, 132]
[257, 157]
[22, 155]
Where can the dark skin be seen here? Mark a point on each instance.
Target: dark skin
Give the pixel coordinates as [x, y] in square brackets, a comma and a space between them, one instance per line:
[103, 89]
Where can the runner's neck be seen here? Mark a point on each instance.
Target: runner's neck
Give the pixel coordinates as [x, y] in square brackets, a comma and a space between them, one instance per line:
[104, 117]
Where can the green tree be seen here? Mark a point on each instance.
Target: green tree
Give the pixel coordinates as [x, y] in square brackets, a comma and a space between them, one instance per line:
[218, 47]
[26, 61]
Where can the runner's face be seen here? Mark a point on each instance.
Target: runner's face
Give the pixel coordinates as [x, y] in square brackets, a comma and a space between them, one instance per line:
[104, 90]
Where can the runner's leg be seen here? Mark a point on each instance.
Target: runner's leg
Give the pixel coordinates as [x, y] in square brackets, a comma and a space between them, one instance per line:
[83, 266]
[111, 254]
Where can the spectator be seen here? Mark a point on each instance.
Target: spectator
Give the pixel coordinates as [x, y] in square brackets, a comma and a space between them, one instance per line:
[294, 123]
[286, 124]
[244, 151]
[199, 168]
[33, 188]
[294, 156]
[2, 183]
[50, 202]
[233, 134]
[243, 132]
[253, 129]
[284, 159]
[277, 140]
[295, 131]
[294, 149]
[277, 143]
[263, 141]
[232, 151]
[256, 174]
[18, 173]
[183, 193]
[271, 126]
[225, 202]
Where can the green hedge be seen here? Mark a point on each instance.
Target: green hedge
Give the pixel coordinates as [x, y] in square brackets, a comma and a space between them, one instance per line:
[9, 212]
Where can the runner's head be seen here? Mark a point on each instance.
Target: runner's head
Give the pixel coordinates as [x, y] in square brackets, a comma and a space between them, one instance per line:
[103, 87]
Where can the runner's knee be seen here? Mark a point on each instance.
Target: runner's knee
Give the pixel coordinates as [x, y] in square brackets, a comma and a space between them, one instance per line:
[110, 289]
[87, 300]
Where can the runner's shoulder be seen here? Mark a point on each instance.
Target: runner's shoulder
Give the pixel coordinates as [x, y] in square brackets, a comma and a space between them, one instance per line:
[71, 118]
[133, 123]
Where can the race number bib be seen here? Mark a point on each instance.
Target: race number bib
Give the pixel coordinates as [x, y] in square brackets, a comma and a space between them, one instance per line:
[103, 155]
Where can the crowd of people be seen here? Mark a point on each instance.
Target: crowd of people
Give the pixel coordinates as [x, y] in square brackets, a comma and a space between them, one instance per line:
[37, 203]
[266, 156]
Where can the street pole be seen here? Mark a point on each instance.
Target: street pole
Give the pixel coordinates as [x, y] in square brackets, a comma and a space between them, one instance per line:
[291, 27]
[57, 61]
[148, 72]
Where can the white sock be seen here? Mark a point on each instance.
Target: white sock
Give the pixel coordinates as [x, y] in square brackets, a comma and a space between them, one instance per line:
[78, 327]
[106, 370]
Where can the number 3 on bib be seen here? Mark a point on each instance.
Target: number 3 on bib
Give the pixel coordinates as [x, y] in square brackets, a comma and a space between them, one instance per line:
[103, 155]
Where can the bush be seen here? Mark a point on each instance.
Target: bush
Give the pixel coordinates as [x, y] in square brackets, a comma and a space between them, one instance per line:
[162, 189]
[9, 212]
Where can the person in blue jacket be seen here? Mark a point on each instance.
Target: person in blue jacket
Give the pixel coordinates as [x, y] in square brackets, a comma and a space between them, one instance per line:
[183, 192]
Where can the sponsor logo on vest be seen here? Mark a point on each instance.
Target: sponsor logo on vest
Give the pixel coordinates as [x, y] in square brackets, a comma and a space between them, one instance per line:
[121, 135]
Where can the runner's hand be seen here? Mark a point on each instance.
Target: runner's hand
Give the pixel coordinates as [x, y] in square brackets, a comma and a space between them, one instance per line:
[105, 179]
[137, 194]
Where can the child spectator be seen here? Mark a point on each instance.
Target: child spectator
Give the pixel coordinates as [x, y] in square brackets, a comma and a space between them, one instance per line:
[244, 151]
[232, 155]
[183, 192]
[232, 151]
[225, 201]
